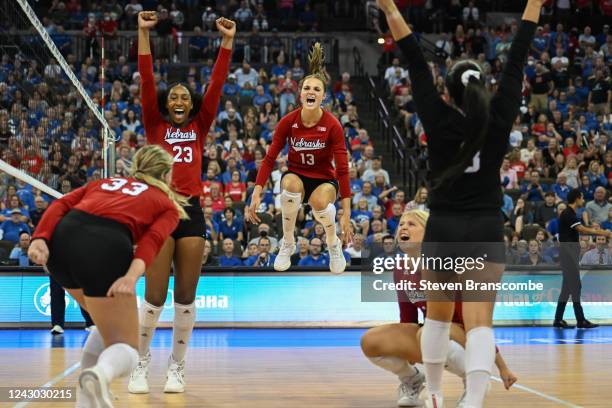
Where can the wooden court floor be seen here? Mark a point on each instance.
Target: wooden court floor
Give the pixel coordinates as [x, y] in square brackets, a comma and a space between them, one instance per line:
[566, 375]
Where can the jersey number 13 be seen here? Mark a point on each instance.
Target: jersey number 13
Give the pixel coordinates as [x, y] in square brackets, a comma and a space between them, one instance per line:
[307, 158]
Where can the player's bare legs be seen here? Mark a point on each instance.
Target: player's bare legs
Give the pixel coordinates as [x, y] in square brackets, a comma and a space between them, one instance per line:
[156, 290]
[110, 349]
[322, 202]
[291, 202]
[188, 267]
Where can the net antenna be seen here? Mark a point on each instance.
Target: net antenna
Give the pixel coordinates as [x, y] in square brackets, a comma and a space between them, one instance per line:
[109, 136]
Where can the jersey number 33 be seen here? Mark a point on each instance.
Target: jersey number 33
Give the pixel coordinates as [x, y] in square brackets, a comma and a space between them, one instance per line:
[135, 188]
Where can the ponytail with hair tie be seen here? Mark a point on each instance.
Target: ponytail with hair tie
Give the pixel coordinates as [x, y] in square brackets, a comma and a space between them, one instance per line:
[466, 87]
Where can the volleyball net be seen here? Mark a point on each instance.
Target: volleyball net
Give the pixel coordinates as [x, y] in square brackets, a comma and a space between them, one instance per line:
[51, 101]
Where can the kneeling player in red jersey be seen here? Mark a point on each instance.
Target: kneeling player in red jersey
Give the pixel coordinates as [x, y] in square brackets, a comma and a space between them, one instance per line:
[315, 138]
[86, 240]
[396, 347]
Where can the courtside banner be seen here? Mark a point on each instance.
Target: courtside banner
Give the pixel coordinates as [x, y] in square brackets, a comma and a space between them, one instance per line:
[292, 298]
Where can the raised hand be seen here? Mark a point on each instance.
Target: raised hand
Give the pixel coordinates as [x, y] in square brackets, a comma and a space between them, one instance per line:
[147, 19]
[226, 27]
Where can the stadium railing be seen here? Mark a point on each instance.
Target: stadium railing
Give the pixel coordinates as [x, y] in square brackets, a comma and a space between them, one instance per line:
[125, 44]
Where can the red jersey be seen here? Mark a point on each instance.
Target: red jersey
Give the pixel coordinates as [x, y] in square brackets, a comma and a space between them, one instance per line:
[311, 150]
[184, 144]
[411, 302]
[147, 211]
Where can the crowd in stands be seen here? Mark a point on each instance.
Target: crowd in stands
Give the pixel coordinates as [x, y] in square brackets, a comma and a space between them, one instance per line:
[48, 132]
[184, 15]
[562, 138]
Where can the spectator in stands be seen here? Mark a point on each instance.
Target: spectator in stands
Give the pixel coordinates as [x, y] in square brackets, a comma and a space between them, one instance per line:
[534, 190]
[246, 74]
[392, 70]
[534, 256]
[366, 193]
[598, 209]
[508, 177]
[541, 86]
[286, 89]
[560, 188]
[260, 20]
[302, 251]
[207, 258]
[307, 20]
[600, 94]
[229, 228]
[228, 258]
[420, 200]
[600, 255]
[20, 252]
[546, 210]
[471, 15]
[199, 46]
[12, 227]
[607, 225]
[212, 227]
[370, 174]
[315, 258]
[40, 205]
[264, 258]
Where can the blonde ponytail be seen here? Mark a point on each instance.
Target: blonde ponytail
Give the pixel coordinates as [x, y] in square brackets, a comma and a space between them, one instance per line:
[316, 62]
[150, 165]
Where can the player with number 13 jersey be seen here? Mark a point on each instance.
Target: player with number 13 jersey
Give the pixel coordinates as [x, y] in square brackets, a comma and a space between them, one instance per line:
[316, 141]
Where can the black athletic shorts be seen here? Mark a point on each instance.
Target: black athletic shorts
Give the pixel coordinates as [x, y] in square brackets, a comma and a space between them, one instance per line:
[89, 252]
[311, 184]
[465, 235]
[195, 225]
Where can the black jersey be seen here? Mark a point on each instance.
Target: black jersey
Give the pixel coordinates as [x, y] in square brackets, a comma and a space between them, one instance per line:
[479, 188]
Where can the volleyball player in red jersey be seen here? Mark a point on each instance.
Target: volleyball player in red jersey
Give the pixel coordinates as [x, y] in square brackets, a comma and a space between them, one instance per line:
[86, 240]
[396, 347]
[178, 120]
[315, 138]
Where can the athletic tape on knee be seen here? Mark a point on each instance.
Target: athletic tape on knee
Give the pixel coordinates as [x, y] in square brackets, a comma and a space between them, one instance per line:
[94, 345]
[184, 315]
[480, 350]
[149, 314]
[290, 202]
[435, 341]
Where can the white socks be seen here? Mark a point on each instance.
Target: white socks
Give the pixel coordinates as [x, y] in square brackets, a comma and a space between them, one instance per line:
[117, 360]
[327, 217]
[148, 316]
[402, 368]
[184, 320]
[455, 359]
[434, 348]
[290, 206]
[479, 358]
[94, 345]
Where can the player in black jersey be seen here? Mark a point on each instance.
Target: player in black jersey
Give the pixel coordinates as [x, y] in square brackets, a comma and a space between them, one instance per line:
[467, 139]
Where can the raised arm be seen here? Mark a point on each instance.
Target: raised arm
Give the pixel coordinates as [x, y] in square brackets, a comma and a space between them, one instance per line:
[219, 73]
[507, 101]
[150, 110]
[429, 104]
[278, 143]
